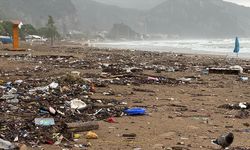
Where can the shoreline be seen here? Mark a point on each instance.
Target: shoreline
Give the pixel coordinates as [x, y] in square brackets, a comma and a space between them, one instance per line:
[183, 51]
[222, 47]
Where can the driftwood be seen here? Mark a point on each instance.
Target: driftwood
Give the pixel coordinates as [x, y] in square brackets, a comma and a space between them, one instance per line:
[82, 126]
[143, 90]
[224, 71]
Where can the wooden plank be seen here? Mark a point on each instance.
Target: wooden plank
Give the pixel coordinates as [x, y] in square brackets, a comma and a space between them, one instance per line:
[82, 126]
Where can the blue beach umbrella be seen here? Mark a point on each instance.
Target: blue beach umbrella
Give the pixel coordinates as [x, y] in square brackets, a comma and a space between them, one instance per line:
[237, 46]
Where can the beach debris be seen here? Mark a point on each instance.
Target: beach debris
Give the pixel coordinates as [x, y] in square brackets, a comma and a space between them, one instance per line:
[135, 111]
[243, 78]
[242, 114]
[246, 124]
[231, 70]
[243, 130]
[111, 120]
[53, 85]
[129, 135]
[91, 135]
[184, 79]
[238, 106]
[205, 71]
[224, 140]
[52, 111]
[153, 79]
[77, 136]
[143, 90]
[82, 126]
[6, 144]
[42, 93]
[243, 105]
[77, 73]
[240, 148]
[237, 67]
[77, 104]
[158, 146]
[43, 89]
[44, 121]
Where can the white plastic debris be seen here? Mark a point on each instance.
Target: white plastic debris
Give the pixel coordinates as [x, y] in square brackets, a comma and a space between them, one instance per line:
[12, 91]
[105, 64]
[52, 110]
[77, 104]
[153, 79]
[185, 79]
[37, 67]
[237, 67]
[243, 105]
[18, 81]
[99, 101]
[9, 96]
[124, 103]
[53, 85]
[16, 139]
[76, 73]
[244, 78]
[6, 144]
[44, 89]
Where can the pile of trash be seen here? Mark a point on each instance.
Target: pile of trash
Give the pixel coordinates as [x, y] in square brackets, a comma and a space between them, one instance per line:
[242, 109]
[238, 106]
[52, 109]
[38, 111]
[49, 110]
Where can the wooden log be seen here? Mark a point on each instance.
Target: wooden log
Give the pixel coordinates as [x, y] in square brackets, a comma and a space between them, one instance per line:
[143, 90]
[224, 71]
[82, 126]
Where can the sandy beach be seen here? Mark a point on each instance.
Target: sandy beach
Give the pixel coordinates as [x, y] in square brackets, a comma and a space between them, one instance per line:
[183, 103]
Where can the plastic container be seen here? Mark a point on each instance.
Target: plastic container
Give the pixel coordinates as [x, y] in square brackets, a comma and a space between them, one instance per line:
[135, 111]
[44, 121]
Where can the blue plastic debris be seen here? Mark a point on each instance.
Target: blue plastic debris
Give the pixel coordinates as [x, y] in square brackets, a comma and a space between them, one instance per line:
[135, 111]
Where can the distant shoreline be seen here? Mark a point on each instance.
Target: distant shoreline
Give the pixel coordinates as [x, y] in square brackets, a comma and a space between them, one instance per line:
[185, 51]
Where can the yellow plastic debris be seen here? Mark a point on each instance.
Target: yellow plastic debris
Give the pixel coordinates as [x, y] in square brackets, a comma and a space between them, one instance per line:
[91, 135]
[77, 136]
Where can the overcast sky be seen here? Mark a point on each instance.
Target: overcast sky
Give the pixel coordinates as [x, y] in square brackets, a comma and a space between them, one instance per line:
[240, 2]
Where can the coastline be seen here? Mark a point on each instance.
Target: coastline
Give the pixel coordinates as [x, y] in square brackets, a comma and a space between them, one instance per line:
[242, 56]
[181, 46]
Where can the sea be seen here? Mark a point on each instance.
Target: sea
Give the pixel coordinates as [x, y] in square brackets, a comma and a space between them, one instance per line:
[223, 47]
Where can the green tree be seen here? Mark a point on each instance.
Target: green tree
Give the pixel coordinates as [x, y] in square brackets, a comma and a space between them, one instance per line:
[43, 32]
[52, 31]
[7, 26]
[27, 29]
[49, 31]
[1, 29]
